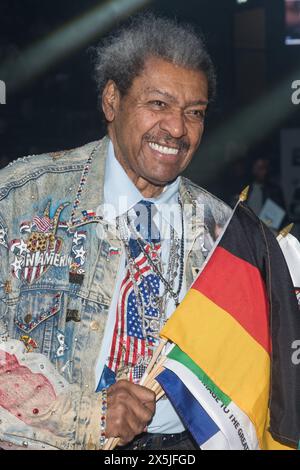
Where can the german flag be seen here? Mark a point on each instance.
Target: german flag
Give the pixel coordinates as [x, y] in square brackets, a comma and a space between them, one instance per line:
[238, 323]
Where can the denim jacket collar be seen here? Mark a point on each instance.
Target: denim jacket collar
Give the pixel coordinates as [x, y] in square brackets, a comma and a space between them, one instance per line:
[91, 195]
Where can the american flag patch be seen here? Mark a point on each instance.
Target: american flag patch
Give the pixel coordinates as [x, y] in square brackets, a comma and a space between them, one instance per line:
[43, 224]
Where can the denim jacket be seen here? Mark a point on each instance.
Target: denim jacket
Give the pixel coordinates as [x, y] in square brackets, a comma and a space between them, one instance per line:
[59, 260]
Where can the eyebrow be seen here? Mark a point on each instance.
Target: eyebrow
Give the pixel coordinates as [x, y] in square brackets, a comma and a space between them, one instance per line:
[167, 95]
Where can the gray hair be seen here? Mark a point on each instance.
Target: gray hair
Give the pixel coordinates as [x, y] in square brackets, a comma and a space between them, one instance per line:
[121, 56]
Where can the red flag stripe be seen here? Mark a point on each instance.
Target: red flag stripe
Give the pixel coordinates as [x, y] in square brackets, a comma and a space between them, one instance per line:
[226, 276]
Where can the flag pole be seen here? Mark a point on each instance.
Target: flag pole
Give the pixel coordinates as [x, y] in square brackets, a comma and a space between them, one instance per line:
[284, 232]
[113, 441]
[157, 353]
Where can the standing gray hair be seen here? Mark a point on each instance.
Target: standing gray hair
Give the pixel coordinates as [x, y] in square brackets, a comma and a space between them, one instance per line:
[121, 56]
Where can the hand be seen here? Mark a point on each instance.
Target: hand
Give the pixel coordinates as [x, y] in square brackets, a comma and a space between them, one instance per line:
[130, 407]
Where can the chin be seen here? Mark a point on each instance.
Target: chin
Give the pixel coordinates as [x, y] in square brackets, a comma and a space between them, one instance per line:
[161, 178]
[162, 181]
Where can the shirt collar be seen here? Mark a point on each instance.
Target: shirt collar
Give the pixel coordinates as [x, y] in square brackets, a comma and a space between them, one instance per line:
[120, 194]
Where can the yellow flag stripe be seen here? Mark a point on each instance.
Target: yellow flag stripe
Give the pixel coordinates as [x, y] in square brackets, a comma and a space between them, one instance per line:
[235, 362]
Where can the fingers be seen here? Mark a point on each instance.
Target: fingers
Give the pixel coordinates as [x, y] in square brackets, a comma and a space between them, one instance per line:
[130, 409]
[142, 393]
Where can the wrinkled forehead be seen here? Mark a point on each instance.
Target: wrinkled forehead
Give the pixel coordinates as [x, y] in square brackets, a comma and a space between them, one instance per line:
[171, 81]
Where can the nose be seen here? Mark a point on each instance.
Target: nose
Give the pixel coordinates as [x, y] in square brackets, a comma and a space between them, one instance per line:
[174, 124]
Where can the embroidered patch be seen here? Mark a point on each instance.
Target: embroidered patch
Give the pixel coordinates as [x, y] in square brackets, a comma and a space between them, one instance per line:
[78, 255]
[75, 278]
[39, 248]
[114, 251]
[73, 315]
[29, 342]
[62, 345]
[7, 287]
[87, 215]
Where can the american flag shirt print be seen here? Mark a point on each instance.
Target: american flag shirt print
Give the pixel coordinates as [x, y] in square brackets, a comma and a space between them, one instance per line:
[131, 351]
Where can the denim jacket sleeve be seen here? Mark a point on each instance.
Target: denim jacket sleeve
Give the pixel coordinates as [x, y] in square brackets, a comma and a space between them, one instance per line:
[38, 407]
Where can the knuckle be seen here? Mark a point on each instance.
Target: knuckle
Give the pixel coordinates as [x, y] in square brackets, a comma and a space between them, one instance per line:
[123, 384]
[122, 396]
[120, 411]
[152, 396]
[119, 424]
[148, 416]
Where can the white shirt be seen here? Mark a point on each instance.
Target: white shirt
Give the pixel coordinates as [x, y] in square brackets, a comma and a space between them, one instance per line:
[120, 195]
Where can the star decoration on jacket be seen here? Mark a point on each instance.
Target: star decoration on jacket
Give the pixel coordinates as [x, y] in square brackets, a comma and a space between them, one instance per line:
[23, 247]
[80, 254]
[78, 238]
[17, 265]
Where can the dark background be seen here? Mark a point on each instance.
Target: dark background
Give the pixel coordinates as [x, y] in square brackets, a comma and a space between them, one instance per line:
[57, 108]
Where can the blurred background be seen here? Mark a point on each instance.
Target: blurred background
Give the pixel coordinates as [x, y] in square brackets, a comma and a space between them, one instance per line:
[252, 130]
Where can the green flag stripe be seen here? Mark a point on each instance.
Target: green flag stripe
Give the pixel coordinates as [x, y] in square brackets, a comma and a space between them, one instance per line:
[177, 355]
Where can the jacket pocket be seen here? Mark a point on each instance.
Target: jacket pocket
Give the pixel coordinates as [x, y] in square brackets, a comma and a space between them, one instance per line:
[35, 308]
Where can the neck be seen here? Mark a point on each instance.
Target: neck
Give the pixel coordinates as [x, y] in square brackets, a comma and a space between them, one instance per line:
[146, 188]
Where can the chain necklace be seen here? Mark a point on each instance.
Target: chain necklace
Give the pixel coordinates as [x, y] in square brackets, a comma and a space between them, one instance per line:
[153, 301]
[175, 261]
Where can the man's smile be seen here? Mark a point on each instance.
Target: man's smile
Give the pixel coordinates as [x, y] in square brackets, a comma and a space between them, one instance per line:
[164, 149]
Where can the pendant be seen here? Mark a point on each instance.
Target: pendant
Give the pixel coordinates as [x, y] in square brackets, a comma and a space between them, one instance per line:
[155, 326]
[154, 301]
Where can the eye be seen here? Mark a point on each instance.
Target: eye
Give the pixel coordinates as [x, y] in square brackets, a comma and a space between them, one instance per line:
[158, 104]
[197, 113]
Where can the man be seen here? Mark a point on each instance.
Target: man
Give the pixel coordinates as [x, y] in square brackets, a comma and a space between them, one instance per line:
[99, 245]
[262, 188]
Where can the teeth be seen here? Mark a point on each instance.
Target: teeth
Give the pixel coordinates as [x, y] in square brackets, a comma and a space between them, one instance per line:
[163, 149]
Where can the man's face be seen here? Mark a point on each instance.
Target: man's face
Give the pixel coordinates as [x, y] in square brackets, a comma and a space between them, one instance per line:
[261, 170]
[157, 126]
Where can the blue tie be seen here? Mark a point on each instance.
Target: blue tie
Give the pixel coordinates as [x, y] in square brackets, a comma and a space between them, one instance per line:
[145, 226]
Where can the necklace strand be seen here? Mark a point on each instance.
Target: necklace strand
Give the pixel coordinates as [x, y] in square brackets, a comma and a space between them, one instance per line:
[141, 242]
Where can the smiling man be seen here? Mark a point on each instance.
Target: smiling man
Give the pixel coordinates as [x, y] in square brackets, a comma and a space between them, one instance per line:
[157, 126]
[99, 245]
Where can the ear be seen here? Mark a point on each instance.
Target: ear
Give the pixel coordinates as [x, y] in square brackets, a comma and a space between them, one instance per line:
[110, 100]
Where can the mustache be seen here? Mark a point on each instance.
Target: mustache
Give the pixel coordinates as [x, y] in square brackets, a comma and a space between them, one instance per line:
[166, 139]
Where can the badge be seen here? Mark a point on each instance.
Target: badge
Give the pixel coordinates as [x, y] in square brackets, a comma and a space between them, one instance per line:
[40, 247]
[73, 315]
[78, 256]
[29, 342]
[114, 251]
[62, 346]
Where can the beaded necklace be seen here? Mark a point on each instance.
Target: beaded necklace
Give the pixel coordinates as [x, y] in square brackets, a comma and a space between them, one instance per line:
[82, 183]
[176, 260]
